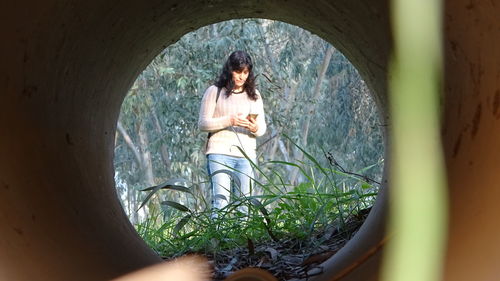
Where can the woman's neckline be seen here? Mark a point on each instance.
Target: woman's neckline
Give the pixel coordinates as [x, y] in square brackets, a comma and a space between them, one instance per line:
[238, 92]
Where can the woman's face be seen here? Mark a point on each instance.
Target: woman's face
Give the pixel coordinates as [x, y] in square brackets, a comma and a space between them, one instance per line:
[240, 77]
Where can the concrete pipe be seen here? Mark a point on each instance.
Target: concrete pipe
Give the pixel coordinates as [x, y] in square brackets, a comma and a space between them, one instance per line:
[67, 65]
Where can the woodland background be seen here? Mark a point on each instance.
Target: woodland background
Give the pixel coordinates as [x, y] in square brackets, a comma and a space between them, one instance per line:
[313, 96]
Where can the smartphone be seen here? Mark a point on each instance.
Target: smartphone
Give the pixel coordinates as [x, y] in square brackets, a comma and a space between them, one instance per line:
[252, 115]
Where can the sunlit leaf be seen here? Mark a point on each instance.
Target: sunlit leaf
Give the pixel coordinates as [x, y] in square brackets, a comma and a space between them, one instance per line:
[176, 205]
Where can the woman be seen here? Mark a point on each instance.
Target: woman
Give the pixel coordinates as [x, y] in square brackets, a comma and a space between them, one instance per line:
[232, 112]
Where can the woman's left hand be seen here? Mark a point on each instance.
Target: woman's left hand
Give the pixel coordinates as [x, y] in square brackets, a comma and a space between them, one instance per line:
[253, 127]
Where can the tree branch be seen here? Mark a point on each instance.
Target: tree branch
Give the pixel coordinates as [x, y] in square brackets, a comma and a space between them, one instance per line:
[130, 143]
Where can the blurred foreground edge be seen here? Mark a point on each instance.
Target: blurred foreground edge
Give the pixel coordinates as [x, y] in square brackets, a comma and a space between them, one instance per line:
[192, 268]
[251, 274]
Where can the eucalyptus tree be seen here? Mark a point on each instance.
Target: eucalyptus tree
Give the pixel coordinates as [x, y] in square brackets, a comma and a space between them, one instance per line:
[311, 93]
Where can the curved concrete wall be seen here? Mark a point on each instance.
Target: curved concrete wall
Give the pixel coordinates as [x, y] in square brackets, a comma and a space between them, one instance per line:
[66, 66]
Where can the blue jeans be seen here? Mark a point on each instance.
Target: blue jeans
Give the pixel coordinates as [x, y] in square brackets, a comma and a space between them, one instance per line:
[222, 191]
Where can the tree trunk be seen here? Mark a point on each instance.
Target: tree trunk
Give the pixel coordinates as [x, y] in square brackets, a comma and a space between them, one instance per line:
[310, 109]
[130, 143]
[290, 97]
[165, 156]
[147, 163]
[317, 91]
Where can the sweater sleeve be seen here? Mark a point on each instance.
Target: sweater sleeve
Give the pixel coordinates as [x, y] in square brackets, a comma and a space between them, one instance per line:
[206, 121]
[261, 118]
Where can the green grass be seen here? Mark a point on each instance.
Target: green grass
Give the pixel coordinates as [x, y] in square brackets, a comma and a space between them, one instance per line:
[281, 212]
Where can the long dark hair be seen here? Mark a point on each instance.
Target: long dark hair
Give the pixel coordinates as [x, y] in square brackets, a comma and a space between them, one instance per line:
[237, 61]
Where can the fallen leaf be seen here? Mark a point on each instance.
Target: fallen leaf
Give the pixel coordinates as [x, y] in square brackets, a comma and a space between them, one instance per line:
[272, 252]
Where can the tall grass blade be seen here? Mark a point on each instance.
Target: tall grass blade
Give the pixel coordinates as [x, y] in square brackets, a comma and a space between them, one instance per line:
[294, 165]
[181, 224]
[232, 174]
[172, 184]
[176, 205]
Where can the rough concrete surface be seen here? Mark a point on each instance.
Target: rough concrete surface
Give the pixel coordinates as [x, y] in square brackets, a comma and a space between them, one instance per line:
[67, 65]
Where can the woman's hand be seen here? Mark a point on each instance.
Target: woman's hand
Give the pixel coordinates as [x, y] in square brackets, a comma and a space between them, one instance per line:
[238, 120]
[253, 127]
[250, 123]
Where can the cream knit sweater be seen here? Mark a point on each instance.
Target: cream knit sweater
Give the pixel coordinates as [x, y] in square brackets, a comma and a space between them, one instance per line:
[215, 118]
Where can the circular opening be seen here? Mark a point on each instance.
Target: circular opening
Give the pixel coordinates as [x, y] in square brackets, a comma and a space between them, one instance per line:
[318, 165]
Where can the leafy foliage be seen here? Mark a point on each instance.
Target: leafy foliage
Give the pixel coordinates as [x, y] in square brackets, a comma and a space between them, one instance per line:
[160, 114]
[303, 212]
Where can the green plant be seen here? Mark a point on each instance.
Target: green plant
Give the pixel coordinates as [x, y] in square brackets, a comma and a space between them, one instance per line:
[282, 212]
